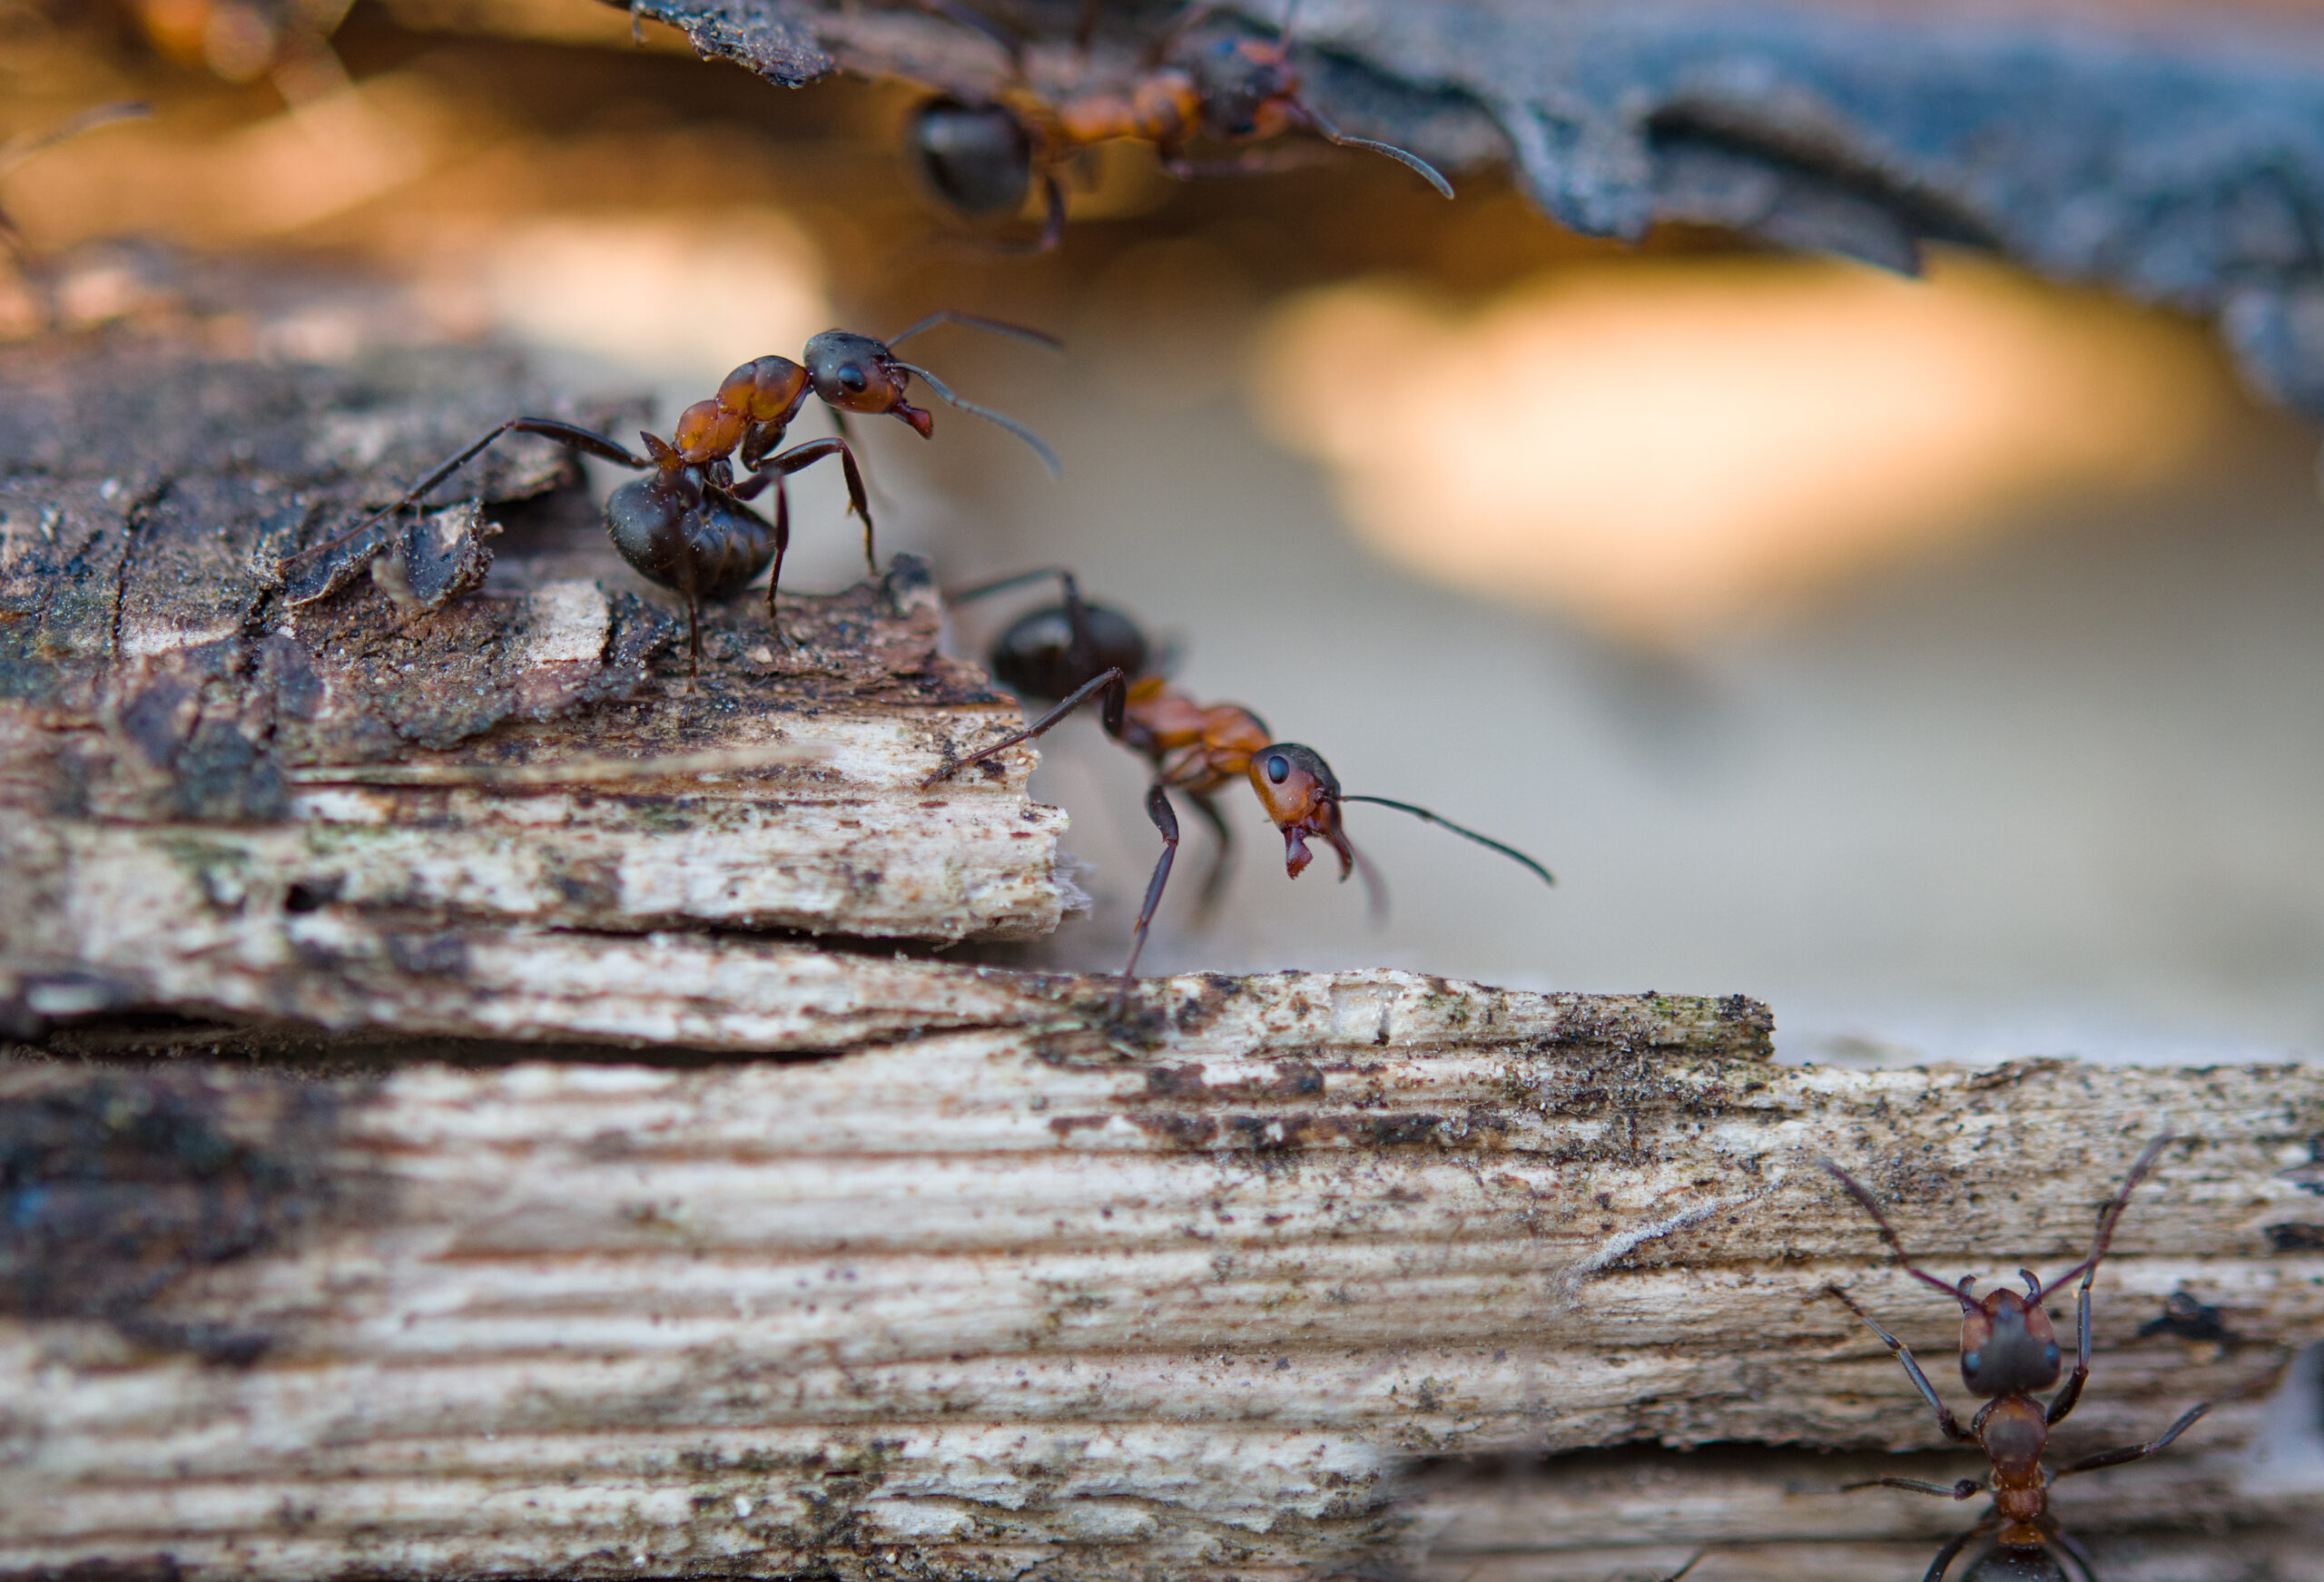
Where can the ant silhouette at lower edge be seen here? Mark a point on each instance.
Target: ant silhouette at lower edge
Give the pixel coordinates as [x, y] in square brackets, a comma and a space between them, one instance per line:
[688, 525]
[2009, 1350]
[1072, 653]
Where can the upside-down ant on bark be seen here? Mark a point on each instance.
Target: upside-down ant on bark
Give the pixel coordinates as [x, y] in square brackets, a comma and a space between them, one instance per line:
[2008, 1352]
[983, 157]
[1074, 652]
[688, 525]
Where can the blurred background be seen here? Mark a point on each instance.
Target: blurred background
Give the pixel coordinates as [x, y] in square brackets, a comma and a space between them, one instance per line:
[1933, 659]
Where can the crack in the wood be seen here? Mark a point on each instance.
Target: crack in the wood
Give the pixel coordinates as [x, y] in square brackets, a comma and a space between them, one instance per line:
[133, 522]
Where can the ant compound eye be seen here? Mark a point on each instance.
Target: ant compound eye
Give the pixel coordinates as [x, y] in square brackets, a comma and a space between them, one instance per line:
[853, 379]
[2050, 1355]
[1278, 768]
[1970, 1360]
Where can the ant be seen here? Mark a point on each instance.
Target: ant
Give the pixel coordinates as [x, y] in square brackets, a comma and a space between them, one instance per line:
[2009, 1350]
[1068, 654]
[688, 526]
[983, 156]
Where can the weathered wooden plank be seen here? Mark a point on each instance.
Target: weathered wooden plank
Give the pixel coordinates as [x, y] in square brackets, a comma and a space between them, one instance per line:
[1196, 1287]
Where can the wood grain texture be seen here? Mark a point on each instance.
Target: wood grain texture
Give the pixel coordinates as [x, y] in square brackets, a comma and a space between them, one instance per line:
[1204, 1288]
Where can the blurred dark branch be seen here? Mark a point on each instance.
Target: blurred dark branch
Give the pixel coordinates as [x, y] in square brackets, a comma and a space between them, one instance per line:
[2182, 169]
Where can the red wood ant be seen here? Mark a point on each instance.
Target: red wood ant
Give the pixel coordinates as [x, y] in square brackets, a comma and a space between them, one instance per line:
[983, 156]
[688, 525]
[1071, 652]
[2009, 1350]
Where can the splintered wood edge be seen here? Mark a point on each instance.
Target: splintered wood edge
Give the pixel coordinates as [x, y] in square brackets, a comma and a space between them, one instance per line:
[1209, 1289]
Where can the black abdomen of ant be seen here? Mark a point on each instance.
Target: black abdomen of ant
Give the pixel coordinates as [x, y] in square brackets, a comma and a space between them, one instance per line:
[978, 158]
[1037, 655]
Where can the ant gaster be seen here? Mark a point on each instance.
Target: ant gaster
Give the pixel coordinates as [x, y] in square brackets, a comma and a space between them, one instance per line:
[1071, 652]
[982, 157]
[688, 525]
[2008, 1352]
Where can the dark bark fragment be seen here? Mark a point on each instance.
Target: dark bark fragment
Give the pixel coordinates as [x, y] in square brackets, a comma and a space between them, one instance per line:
[2181, 169]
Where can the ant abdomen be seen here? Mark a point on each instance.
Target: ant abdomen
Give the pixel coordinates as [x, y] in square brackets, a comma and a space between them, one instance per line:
[975, 157]
[2009, 1563]
[1035, 655]
[666, 522]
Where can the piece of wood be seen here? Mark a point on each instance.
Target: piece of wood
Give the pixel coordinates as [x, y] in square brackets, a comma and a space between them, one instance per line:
[288, 793]
[1197, 1287]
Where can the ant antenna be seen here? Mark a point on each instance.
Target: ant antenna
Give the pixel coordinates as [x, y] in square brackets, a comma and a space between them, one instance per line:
[943, 393]
[1331, 134]
[1323, 126]
[1460, 830]
[1869, 1204]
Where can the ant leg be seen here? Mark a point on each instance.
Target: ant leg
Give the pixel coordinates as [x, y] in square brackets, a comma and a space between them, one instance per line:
[1965, 1489]
[1052, 215]
[569, 434]
[1865, 1201]
[846, 431]
[1904, 1353]
[1002, 585]
[1081, 694]
[782, 543]
[1214, 879]
[2088, 1269]
[2132, 1452]
[1946, 1556]
[800, 457]
[1157, 807]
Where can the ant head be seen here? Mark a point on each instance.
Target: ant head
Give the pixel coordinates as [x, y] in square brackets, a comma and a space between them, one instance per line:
[1035, 655]
[858, 374]
[646, 519]
[1247, 88]
[2007, 1346]
[708, 431]
[978, 158]
[1302, 795]
[766, 390]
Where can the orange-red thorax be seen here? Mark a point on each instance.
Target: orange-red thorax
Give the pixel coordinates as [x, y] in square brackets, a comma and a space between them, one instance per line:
[1162, 108]
[1196, 747]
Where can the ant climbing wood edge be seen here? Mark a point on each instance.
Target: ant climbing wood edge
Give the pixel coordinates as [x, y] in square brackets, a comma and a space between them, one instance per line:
[2009, 1350]
[1076, 651]
[688, 525]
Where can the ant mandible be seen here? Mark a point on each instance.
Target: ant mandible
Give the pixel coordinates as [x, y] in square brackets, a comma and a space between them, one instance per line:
[688, 525]
[2009, 1350]
[983, 156]
[1071, 652]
